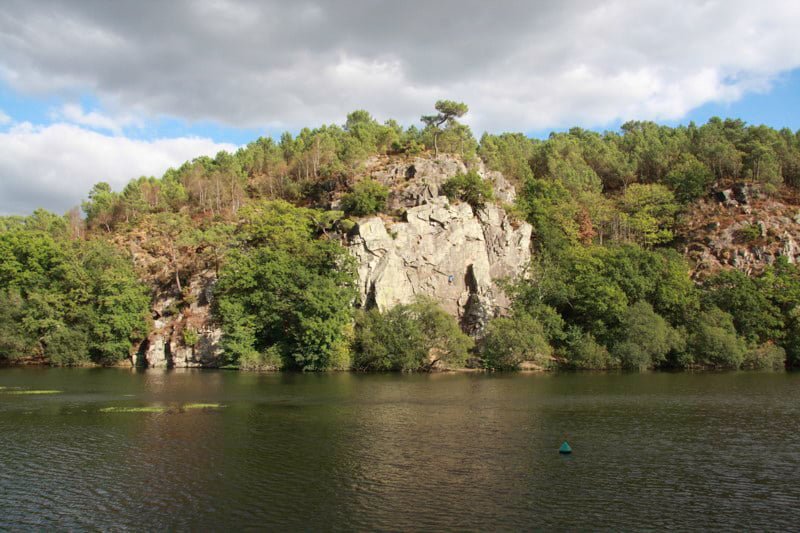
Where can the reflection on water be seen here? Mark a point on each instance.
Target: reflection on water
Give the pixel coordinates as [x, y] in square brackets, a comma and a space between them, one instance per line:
[351, 451]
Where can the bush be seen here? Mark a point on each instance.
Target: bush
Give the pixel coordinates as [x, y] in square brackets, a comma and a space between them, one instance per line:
[269, 359]
[511, 341]
[367, 198]
[190, 337]
[583, 352]
[715, 342]
[646, 338]
[409, 337]
[766, 356]
[470, 188]
[748, 233]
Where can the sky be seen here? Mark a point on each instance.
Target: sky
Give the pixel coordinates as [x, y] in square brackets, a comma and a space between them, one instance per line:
[92, 90]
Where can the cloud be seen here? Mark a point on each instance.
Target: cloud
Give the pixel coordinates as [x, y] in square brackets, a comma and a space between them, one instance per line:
[519, 65]
[75, 114]
[4, 119]
[55, 166]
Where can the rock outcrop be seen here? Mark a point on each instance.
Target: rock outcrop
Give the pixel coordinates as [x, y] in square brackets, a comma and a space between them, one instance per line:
[439, 249]
[741, 228]
[417, 180]
[183, 339]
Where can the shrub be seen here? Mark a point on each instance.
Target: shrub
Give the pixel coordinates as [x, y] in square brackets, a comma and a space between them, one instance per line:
[748, 233]
[646, 338]
[269, 359]
[409, 337]
[715, 342]
[367, 198]
[766, 356]
[190, 337]
[511, 341]
[470, 188]
[585, 353]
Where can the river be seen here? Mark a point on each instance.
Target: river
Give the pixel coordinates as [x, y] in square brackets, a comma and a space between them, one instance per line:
[118, 449]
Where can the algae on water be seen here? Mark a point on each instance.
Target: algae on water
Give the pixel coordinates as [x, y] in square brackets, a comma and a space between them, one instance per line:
[32, 392]
[149, 409]
[202, 406]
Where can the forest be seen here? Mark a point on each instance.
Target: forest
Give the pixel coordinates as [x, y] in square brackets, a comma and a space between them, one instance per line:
[608, 286]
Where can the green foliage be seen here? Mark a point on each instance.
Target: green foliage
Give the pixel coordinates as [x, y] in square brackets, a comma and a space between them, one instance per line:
[552, 211]
[757, 318]
[689, 179]
[367, 198]
[67, 302]
[190, 337]
[510, 341]
[748, 233]
[714, 342]
[650, 211]
[285, 289]
[646, 338]
[509, 153]
[470, 188]
[583, 352]
[410, 337]
[455, 137]
[765, 357]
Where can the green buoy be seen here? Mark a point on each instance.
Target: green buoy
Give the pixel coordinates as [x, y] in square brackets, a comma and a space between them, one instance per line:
[565, 448]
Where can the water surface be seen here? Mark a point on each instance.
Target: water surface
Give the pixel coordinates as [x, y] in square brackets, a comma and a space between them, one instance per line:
[397, 452]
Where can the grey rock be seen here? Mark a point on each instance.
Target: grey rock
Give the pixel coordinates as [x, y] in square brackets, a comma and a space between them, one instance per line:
[444, 251]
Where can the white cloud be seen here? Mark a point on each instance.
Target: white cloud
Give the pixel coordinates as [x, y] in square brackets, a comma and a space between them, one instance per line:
[56, 165]
[4, 119]
[75, 114]
[519, 65]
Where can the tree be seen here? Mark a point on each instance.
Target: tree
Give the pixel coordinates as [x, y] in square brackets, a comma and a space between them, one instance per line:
[67, 301]
[285, 291]
[755, 316]
[713, 341]
[448, 112]
[410, 337]
[99, 208]
[510, 341]
[650, 211]
[646, 338]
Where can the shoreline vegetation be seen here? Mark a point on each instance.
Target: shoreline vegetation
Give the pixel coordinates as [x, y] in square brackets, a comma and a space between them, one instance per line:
[609, 286]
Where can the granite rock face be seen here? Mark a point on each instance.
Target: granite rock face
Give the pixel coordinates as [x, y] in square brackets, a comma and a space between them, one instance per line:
[417, 180]
[166, 347]
[445, 251]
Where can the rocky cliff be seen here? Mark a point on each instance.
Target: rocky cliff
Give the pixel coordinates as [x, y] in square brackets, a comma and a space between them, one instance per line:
[185, 338]
[428, 246]
[741, 227]
[439, 249]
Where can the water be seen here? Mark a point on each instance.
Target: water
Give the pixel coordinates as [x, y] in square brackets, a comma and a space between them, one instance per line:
[392, 452]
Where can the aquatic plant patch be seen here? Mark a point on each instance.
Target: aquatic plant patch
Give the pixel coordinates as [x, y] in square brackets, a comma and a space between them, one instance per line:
[31, 392]
[149, 409]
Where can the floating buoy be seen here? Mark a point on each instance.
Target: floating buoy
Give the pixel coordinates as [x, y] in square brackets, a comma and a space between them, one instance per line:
[565, 448]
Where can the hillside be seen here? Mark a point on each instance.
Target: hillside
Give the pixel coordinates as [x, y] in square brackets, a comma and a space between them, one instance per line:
[653, 247]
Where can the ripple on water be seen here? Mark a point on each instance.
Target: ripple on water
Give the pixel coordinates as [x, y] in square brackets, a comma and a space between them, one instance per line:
[228, 451]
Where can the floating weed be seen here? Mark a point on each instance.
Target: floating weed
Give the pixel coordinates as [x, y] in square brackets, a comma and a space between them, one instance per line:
[151, 409]
[202, 406]
[33, 392]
